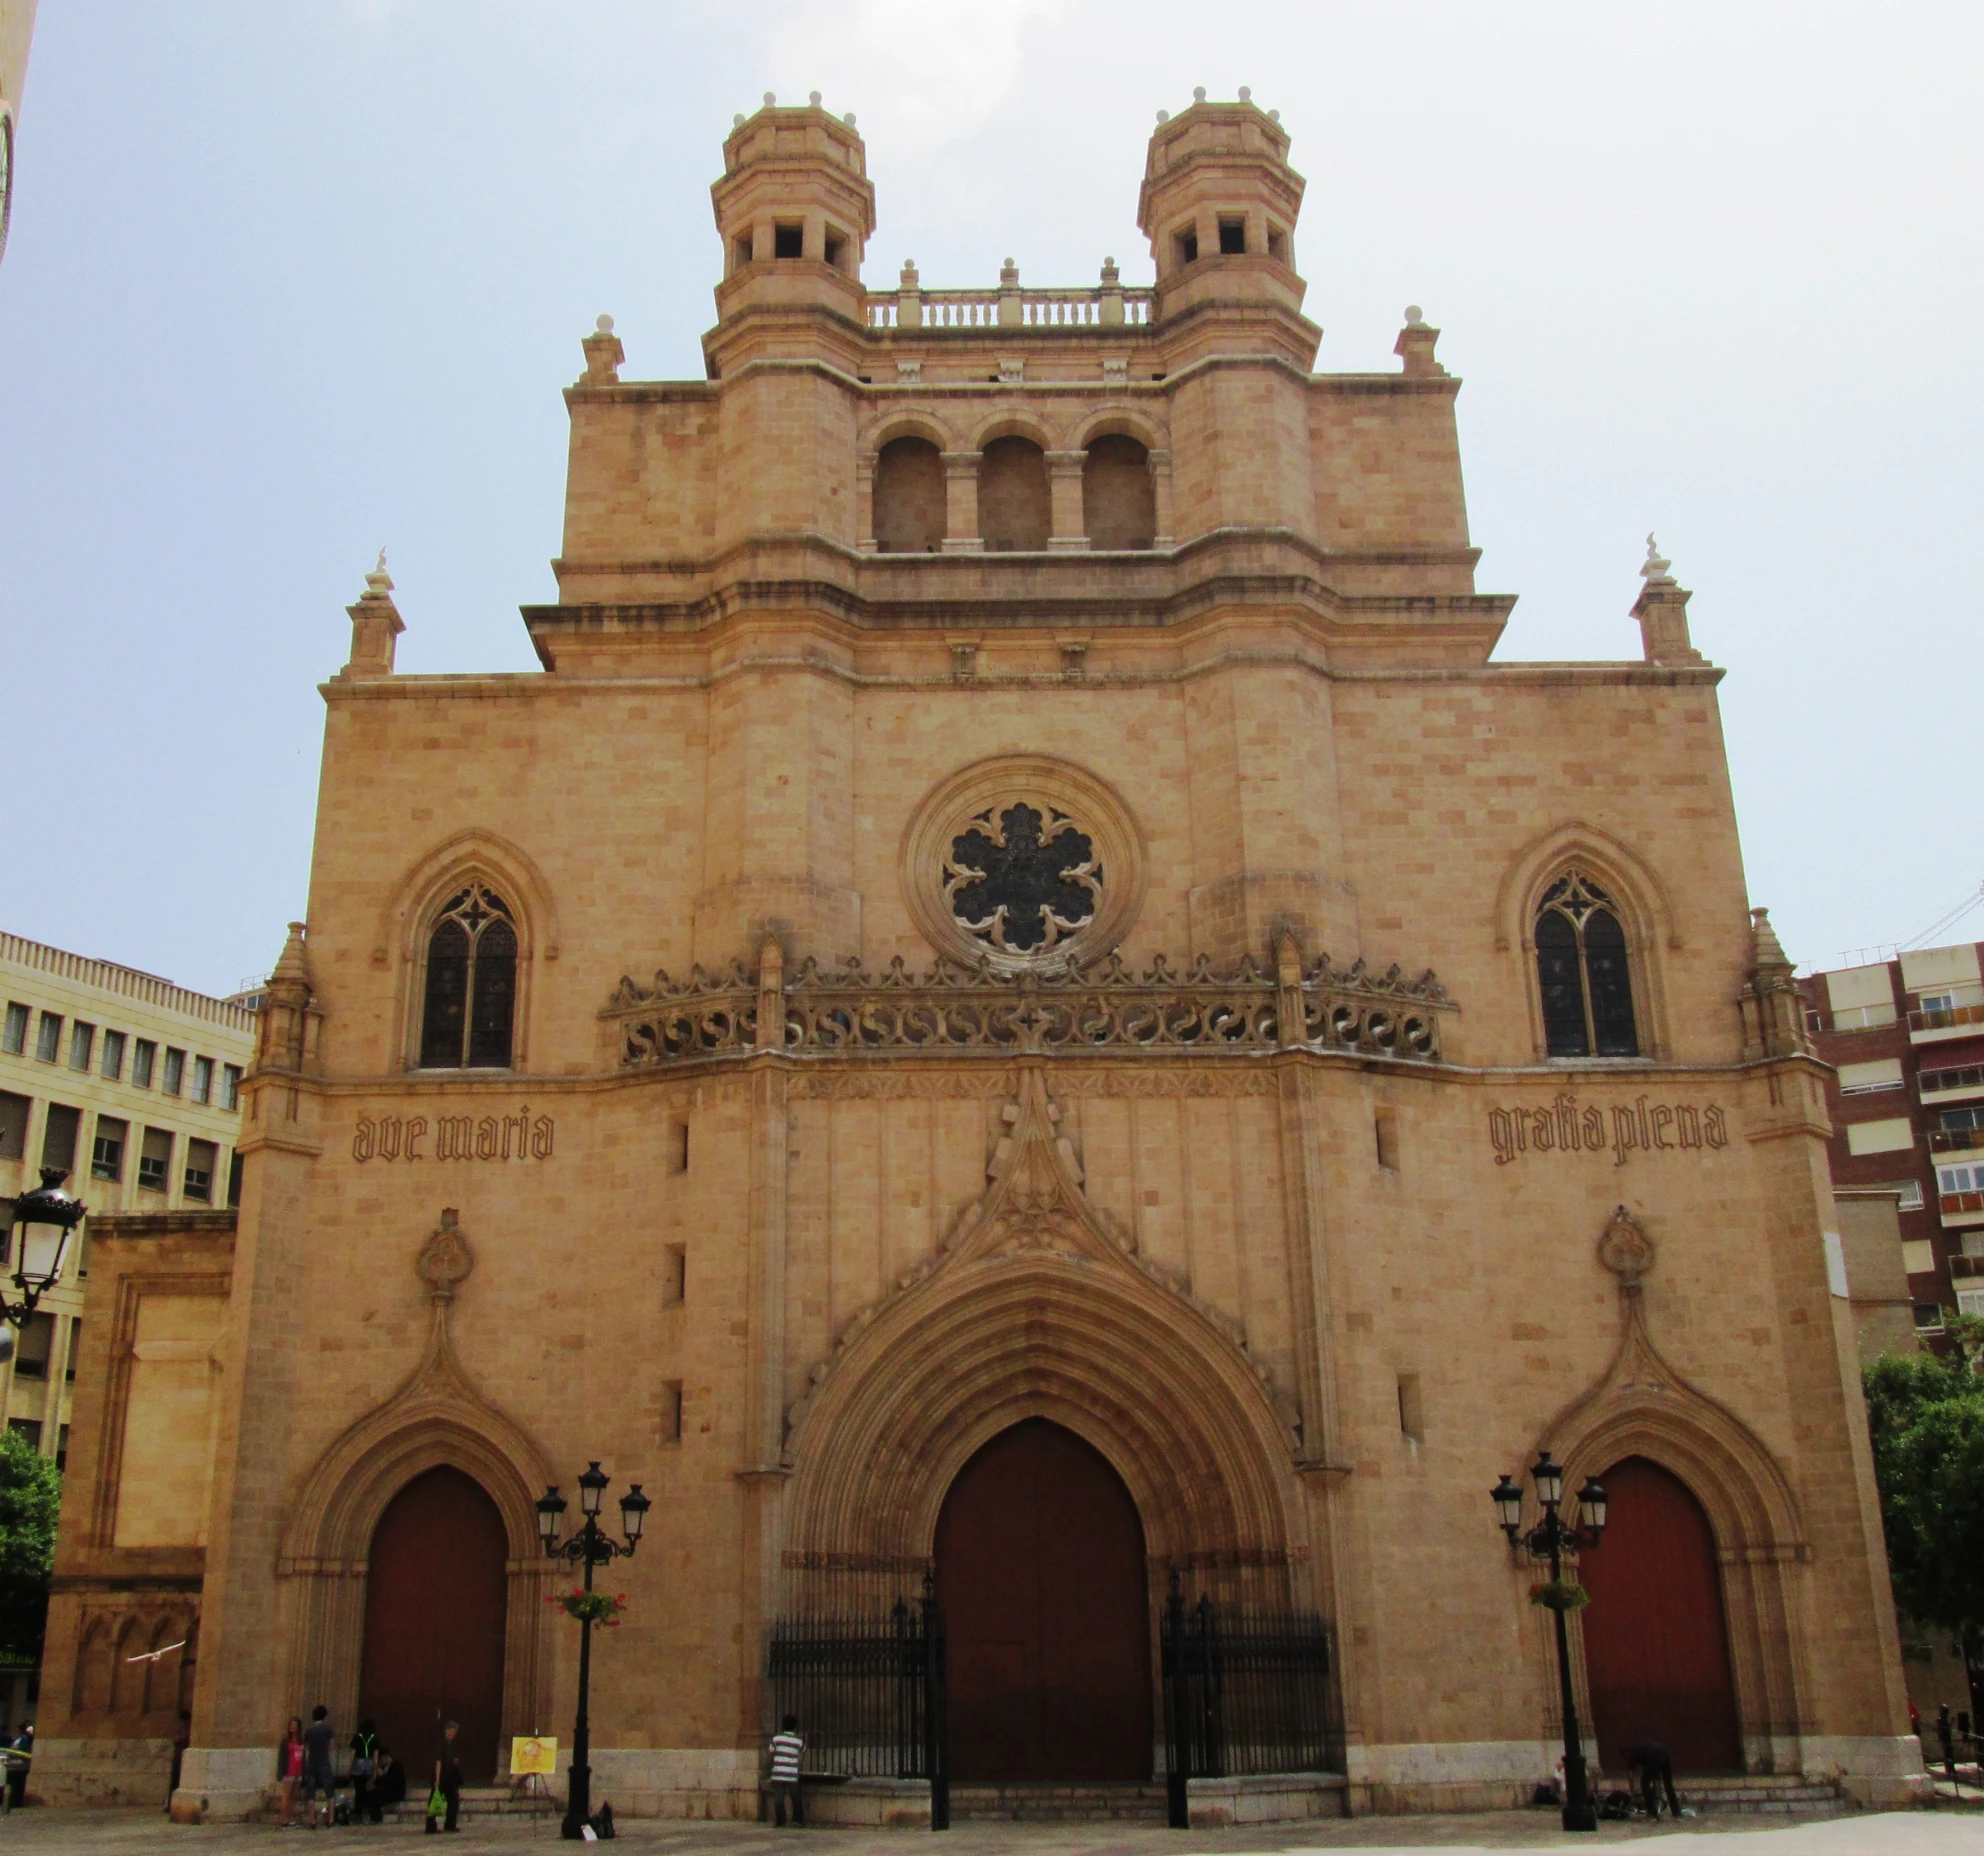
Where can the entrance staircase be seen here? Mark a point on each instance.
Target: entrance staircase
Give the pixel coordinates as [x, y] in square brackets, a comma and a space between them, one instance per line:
[1761, 1794]
[478, 1801]
[1057, 1804]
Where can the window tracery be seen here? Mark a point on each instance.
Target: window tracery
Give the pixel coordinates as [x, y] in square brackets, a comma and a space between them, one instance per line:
[1021, 881]
[468, 1018]
[1583, 972]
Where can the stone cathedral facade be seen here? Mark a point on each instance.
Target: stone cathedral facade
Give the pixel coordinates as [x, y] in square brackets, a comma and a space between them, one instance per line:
[1021, 1000]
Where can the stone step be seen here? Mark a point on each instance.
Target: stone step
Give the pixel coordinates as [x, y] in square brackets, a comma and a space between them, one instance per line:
[478, 1801]
[1046, 1803]
[1760, 1794]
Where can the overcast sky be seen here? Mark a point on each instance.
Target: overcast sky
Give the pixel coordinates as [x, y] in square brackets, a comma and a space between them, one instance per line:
[290, 279]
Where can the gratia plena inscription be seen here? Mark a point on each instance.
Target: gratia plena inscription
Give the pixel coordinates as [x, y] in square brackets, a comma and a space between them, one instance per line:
[1645, 1127]
[521, 1136]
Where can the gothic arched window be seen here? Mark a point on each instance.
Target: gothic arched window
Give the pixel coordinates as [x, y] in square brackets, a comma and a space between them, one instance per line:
[471, 995]
[1582, 972]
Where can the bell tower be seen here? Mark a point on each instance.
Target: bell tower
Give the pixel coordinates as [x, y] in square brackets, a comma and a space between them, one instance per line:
[794, 208]
[1218, 204]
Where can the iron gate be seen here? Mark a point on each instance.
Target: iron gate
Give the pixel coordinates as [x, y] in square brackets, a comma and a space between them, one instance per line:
[1245, 1691]
[869, 1695]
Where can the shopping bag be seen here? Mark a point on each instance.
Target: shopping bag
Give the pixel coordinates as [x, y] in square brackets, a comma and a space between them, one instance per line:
[437, 1806]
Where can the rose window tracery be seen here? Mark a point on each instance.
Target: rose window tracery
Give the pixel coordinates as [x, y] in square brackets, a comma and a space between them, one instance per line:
[1021, 879]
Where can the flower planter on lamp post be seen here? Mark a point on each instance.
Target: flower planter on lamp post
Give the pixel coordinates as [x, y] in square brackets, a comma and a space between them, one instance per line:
[1552, 1539]
[589, 1547]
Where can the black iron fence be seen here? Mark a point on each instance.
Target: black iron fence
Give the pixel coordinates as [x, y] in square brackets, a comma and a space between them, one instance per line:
[1245, 1691]
[868, 1694]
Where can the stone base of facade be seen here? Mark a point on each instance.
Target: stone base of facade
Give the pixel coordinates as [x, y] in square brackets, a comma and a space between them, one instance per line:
[100, 1772]
[1269, 1798]
[1466, 1775]
[686, 1782]
[1873, 1771]
[224, 1784]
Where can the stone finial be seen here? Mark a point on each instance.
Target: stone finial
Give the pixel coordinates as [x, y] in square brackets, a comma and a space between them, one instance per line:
[848, 119]
[1163, 117]
[1198, 93]
[375, 625]
[1274, 115]
[1110, 274]
[1246, 95]
[293, 966]
[770, 99]
[1415, 345]
[1009, 275]
[737, 121]
[445, 1259]
[1625, 1249]
[813, 98]
[1766, 950]
[1662, 610]
[604, 354]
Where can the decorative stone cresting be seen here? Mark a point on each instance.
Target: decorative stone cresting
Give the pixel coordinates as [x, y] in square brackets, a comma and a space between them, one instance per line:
[968, 1010]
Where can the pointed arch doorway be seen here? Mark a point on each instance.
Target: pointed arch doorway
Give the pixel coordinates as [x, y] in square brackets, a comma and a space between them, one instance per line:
[1656, 1643]
[1041, 1568]
[435, 1603]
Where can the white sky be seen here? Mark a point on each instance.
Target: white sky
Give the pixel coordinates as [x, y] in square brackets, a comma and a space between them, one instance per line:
[289, 281]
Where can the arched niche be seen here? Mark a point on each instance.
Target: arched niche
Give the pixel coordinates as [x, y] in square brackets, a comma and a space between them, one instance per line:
[909, 497]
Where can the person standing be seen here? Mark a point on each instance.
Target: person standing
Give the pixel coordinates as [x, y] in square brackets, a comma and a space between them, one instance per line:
[448, 1780]
[1656, 1769]
[320, 1772]
[289, 1769]
[786, 1747]
[364, 1762]
[22, 1747]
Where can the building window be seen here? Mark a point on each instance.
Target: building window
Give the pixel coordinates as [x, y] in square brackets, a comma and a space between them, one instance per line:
[671, 1411]
[37, 1342]
[107, 1156]
[82, 1045]
[155, 1160]
[15, 1038]
[1928, 1317]
[471, 985]
[58, 1136]
[1970, 1301]
[201, 1158]
[30, 1428]
[144, 1053]
[1908, 1195]
[1956, 1120]
[75, 1349]
[203, 1079]
[175, 1071]
[230, 1085]
[1232, 237]
[62, 1449]
[234, 1179]
[789, 238]
[48, 1037]
[14, 1125]
[113, 1055]
[1582, 971]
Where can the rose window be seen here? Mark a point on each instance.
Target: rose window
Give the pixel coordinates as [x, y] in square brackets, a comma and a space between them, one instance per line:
[1021, 878]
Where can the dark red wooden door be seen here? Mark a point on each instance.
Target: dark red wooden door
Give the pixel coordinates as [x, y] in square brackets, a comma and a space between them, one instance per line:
[434, 1613]
[1040, 1564]
[1656, 1647]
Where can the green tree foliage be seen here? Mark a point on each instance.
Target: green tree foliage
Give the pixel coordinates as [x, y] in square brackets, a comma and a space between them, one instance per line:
[30, 1498]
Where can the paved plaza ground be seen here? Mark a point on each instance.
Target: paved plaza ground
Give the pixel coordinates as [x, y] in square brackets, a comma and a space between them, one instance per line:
[1920, 1833]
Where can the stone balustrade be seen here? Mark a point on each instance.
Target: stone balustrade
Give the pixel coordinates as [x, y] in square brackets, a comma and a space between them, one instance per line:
[1007, 306]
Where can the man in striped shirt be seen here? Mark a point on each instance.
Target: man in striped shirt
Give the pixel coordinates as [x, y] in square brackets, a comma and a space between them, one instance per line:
[787, 1745]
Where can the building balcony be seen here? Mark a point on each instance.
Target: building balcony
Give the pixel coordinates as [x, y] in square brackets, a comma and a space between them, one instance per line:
[1008, 307]
[1962, 1083]
[1960, 1209]
[1966, 1266]
[1940, 1027]
[1955, 1140]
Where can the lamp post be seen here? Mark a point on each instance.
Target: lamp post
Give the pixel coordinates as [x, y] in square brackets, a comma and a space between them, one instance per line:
[37, 1240]
[589, 1547]
[1553, 1538]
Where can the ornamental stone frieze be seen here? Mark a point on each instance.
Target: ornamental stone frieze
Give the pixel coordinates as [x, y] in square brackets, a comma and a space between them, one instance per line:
[1104, 1009]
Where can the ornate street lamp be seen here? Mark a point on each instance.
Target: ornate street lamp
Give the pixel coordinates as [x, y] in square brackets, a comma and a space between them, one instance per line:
[37, 1241]
[1553, 1538]
[589, 1547]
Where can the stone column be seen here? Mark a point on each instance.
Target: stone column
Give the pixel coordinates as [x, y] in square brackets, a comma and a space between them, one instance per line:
[864, 502]
[961, 534]
[1064, 484]
[1160, 480]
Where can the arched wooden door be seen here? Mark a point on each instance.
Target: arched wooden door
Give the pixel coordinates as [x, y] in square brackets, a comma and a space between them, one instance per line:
[435, 1602]
[1040, 1566]
[1656, 1644]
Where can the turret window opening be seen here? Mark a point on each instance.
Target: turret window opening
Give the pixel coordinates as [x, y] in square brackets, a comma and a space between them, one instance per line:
[1277, 244]
[789, 239]
[1583, 972]
[1187, 243]
[743, 253]
[837, 248]
[469, 1017]
[1232, 237]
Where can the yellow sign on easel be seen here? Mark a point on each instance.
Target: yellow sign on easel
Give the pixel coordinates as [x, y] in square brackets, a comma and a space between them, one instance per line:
[529, 1753]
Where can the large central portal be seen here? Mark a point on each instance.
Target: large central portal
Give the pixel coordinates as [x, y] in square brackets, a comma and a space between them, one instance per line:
[1040, 1565]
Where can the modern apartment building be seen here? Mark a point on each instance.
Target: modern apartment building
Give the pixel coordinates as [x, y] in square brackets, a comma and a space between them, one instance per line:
[1905, 1038]
[129, 1085]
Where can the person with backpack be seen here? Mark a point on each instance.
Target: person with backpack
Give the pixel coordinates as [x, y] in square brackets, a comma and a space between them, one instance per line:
[364, 1763]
